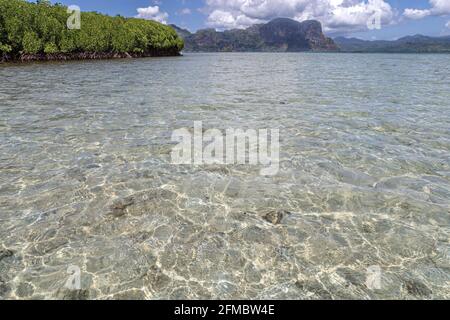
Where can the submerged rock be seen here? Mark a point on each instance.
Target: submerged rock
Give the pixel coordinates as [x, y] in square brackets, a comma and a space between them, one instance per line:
[24, 290]
[66, 294]
[5, 253]
[275, 217]
[353, 277]
[417, 289]
[119, 208]
[5, 289]
[45, 247]
[368, 228]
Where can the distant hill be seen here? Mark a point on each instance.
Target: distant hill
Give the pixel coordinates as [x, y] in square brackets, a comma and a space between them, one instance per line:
[409, 44]
[279, 35]
[183, 33]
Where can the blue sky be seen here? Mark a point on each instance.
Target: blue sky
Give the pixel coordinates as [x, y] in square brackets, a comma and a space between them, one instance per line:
[339, 17]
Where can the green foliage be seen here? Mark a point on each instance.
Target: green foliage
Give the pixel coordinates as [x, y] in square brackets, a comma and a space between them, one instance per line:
[68, 41]
[5, 48]
[51, 48]
[31, 43]
[41, 28]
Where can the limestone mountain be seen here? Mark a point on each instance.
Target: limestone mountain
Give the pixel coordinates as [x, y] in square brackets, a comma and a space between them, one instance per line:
[279, 35]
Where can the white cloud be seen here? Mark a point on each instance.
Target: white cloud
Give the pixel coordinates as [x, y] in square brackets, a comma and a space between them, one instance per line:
[335, 15]
[152, 13]
[438, 8]
[227, 20]
[416, 13]
[185, 11]
[448, 24]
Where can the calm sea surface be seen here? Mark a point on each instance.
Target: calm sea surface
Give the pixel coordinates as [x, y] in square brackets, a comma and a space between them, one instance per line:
[359, 208]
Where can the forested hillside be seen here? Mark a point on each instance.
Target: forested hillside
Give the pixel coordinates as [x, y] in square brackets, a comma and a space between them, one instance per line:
[40, 30]
[410, 44]
[279, 35]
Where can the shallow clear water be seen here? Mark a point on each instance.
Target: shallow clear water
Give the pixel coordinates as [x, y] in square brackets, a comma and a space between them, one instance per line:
[364, 178]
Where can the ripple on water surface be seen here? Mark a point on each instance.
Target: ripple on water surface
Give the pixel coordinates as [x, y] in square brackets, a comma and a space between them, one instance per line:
[86, 178]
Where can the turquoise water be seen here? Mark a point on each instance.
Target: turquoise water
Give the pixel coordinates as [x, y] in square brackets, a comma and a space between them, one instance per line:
[86, 178]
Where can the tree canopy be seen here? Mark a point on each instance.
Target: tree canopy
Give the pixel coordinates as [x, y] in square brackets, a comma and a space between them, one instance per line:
[41, 28]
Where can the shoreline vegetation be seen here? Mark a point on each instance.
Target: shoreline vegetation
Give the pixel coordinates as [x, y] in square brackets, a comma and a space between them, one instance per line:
[38, 32]
[85, 56]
